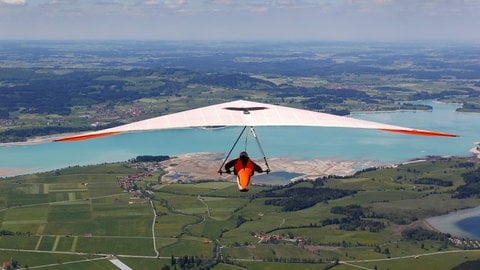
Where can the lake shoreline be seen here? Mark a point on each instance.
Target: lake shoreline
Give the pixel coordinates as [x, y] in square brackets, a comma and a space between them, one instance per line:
[448, 223]
[195, 167]
[203, 166]
[476, 150]
[39, 139]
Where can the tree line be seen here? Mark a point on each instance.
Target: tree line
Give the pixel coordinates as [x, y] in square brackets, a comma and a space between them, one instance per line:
[433, 181]
[471, 188]
[149, 158]
[357, 218]
[294, 199]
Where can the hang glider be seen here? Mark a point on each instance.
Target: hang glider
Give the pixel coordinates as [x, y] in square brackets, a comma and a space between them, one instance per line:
[248, 113]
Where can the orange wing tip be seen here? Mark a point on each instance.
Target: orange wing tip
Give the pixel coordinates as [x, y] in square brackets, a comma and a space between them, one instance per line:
[86, 137]
[420, 132]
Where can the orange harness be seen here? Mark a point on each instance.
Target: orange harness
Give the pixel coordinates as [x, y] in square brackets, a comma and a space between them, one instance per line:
[244, 173]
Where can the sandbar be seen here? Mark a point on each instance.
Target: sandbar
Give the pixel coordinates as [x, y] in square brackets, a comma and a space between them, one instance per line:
[204, 166]
[476, 150]
[5, 172]
[39, 139]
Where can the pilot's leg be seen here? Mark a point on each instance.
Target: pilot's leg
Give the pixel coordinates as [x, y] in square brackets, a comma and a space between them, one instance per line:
[243, 179]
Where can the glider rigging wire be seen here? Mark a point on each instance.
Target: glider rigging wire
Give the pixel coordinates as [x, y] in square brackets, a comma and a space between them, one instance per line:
[252, 130]
[220, 171]
[261, 149]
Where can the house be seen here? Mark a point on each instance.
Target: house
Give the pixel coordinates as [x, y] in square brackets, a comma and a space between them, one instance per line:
[8, 265]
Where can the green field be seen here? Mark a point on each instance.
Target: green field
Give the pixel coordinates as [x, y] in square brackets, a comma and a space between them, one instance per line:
[334, 77]
[79, 218]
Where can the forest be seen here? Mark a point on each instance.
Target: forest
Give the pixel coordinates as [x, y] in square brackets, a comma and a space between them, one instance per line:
[69, 86]
[299, 198]
[471, 188]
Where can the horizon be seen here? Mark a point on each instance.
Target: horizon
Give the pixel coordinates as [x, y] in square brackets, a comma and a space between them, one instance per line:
[230, 20]
[436, 43]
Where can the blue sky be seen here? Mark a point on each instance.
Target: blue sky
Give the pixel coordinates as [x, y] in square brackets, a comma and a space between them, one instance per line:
[297, 20]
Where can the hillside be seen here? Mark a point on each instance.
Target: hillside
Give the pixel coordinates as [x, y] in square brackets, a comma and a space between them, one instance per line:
[371, 219]
[56, 87]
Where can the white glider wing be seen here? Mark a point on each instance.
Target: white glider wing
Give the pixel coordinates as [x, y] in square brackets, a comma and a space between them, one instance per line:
[247, 113]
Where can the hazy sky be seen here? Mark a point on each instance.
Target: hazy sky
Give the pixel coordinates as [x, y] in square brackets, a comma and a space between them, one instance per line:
[241, 20]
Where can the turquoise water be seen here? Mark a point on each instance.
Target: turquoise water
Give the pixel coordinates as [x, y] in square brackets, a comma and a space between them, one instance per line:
[294, 142]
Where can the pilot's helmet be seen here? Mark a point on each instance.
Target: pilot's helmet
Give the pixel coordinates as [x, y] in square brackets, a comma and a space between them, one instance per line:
[243, 154]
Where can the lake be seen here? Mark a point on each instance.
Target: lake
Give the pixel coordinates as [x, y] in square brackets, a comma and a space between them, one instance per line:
[463, 223]
[294, 142]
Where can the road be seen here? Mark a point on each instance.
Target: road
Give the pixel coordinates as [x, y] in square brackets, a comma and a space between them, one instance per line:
[415, 256]
[101, 256]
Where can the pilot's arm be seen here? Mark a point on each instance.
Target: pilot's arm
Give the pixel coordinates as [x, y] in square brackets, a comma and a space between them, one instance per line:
[257, 168]
[229, 165]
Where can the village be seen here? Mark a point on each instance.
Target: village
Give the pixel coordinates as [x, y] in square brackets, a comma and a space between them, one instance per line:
[145, 168]
[129, 183]
[273, 238]
[11, 264]
[465, 243]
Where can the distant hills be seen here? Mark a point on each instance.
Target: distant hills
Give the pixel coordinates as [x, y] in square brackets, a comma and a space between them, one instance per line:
[54, 87]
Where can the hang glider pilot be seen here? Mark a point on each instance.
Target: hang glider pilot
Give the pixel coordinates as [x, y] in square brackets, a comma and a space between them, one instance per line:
[243, 168]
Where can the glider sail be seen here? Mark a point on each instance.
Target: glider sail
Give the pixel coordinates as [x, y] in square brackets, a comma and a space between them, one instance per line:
[248, 113]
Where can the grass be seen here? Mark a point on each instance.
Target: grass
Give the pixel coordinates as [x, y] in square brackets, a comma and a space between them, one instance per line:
[31, 219]
[271, 252]
[116, 245]
[56, 261]
[19, 242]
[190, 247]
[439, 261]
[170, 225]
[283, 266]
[212, 229]
[60, 213]
[136, 263]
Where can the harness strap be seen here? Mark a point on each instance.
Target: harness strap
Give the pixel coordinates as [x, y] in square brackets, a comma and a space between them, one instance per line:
[220, 171]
